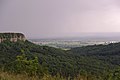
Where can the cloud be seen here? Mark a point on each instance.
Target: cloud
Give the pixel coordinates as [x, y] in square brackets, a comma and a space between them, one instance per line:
[56, 18]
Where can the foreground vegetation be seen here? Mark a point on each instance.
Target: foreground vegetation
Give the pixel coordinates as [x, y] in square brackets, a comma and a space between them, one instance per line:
[9, 76]
[27, 69]
[27, 61]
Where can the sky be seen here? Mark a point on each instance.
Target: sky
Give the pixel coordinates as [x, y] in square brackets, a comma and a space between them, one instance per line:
[59, 18]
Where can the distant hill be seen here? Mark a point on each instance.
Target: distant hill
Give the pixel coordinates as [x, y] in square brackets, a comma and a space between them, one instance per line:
[13, 37]
[99, 50]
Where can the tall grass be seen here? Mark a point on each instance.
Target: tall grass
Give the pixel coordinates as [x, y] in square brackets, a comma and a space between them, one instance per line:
[11, 76]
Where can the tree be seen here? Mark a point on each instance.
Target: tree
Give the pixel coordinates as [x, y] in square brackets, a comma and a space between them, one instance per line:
[23, 65]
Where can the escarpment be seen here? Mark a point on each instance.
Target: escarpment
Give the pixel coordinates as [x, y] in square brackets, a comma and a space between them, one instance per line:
[13, 37]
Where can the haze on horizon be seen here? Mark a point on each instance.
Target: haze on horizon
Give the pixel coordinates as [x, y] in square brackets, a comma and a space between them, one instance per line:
[59, 18]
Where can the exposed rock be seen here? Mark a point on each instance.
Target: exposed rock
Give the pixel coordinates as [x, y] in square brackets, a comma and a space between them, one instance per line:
[13, 37]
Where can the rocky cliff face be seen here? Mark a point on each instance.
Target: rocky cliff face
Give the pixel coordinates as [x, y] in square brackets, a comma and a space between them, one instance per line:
[13, 37]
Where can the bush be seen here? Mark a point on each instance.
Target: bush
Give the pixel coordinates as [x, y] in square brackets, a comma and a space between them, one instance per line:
[23, 65]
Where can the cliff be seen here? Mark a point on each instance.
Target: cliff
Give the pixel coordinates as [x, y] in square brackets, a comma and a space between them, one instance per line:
[13, 37]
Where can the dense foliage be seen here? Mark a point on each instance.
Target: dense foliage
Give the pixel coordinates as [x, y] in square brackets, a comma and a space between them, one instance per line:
[97, 62]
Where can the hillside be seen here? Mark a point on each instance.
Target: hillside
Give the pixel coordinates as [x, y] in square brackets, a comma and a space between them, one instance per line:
[97, 62]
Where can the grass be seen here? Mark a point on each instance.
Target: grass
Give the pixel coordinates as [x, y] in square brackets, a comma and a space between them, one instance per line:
[9, 76]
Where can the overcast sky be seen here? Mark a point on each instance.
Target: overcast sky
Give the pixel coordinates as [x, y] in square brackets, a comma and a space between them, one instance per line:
[59, 18]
